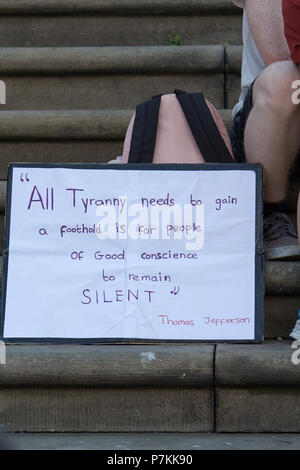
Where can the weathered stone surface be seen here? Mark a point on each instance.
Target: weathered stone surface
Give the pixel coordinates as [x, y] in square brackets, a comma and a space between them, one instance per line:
[107, 388]
[116, 6]
[111, 60]
[283, 278]
[96, 29]
[106, 409]
[280, 315]
[71, 125]
[65, 125]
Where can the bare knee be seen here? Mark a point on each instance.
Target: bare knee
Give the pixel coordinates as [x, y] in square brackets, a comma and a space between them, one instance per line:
[274, 89]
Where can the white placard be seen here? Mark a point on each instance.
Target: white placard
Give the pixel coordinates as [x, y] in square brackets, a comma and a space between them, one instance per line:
[131, 253]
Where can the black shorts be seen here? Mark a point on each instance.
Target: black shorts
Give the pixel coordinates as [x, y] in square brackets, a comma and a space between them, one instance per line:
[238, 128]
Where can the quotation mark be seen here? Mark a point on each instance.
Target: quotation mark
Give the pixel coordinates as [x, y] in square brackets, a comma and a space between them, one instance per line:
[175, 291]
[22, 178]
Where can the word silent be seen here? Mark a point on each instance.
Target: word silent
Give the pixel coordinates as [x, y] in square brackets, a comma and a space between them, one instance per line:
[115, 295]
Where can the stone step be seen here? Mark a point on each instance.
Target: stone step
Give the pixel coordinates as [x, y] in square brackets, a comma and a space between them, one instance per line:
[280, 315]
[106, 388]
[116, 7]
[74, 136]
[98, 30]
[107, 77]
[118, 23]
[151, 388]
[65, 125]
[71, 124]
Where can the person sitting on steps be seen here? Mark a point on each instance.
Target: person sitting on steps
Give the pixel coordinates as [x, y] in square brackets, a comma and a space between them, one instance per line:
[266, 121]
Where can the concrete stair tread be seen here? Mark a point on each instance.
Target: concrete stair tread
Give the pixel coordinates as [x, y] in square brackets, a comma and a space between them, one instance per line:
[108, 77]
[115, 77]
[149, 441]
[71, 124]
[110, 60]
[119, 365]
[268, 364]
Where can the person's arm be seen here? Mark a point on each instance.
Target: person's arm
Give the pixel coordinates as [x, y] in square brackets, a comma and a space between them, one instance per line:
[266, 24]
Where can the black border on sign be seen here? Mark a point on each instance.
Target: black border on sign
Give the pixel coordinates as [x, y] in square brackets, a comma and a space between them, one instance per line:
[259, 249]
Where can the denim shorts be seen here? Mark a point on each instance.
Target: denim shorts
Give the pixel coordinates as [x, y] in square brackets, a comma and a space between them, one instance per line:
[238, 128]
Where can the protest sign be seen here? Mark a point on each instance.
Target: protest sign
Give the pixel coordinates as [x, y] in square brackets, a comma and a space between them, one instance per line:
[130, 252]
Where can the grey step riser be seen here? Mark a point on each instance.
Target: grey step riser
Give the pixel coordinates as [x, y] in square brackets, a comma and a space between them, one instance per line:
[95, 30]
[112, 60]
[150, 410]
[79, 125]
[115, 77]
[233, 90]
[103, 92]
[90, 409]
[261, 409]
[280, 315]
[111, 396]
[254, 388]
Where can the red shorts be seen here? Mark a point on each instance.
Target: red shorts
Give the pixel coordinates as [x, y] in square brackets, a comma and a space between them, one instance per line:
[291, 16]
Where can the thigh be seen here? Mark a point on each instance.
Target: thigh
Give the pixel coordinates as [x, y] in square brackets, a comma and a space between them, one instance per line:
[274, 84]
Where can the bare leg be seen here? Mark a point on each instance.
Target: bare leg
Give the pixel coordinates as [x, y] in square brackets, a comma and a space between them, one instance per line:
[272, 133]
